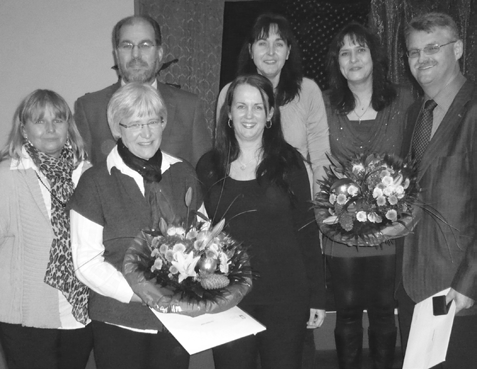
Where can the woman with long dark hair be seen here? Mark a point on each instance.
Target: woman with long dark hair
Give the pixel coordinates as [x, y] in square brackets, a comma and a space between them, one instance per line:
[365, 115]
[272, 51]
[259, 184]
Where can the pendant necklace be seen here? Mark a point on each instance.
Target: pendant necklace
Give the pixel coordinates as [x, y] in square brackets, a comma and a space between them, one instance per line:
[244, 166]
[360, 116]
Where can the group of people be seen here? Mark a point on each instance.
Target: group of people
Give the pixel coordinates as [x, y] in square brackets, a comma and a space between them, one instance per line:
[65, 227]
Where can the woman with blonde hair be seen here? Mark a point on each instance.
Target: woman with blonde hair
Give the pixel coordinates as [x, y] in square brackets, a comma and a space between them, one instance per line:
[43, 308]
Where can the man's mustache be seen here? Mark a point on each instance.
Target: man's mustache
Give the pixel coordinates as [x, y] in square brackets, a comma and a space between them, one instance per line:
[137, 62]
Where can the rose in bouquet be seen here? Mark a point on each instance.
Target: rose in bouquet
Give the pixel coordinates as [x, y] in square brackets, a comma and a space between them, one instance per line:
[361, 197]
[188, 270]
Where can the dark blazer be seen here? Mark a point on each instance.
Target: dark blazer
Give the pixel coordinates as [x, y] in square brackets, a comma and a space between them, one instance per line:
[437, 256]
[186, 134]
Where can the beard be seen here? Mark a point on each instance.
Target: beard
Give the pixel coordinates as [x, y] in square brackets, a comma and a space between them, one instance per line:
[146, 74]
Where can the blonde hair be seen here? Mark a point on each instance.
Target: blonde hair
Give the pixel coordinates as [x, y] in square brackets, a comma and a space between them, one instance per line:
[32, 108]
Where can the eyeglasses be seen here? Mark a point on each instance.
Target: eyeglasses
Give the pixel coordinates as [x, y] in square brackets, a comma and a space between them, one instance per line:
[136, 127]
[428, 50]
[129, 46]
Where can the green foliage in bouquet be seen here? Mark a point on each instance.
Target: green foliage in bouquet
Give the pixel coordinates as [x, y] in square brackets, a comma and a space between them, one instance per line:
[198, 262]
[188, 269]
[360, 197]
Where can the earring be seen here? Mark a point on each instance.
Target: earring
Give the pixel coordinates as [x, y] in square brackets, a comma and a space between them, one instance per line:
[229, 123]
[27, 141]
[25, 137]
[268, 124]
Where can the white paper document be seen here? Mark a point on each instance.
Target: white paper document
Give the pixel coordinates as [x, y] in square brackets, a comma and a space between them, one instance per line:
[209, 330]
[429, 335]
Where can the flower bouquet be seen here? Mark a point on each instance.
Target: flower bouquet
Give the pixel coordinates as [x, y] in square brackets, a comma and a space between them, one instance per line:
[189, 270]
[361, 197]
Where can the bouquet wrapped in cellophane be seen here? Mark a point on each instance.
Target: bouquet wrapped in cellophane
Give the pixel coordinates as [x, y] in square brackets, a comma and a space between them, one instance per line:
[361, 197]
[188, 270]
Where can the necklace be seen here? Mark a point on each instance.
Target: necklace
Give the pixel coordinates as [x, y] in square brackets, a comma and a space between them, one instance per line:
[364, 112]
[253, 163]
[242, 166]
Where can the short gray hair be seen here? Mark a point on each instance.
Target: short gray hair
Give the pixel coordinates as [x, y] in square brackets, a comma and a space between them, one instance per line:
[134, 98]
[428, 22]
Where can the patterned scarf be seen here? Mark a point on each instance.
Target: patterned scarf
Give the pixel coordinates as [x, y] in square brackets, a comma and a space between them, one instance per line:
[60, 272]
[150, 170]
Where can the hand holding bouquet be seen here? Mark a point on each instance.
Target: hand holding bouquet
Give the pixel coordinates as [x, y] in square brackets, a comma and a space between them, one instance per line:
[362, 198]
[188, 270]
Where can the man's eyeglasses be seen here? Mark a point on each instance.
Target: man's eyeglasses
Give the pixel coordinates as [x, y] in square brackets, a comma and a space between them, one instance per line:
[428, 50]
[143, 46]
[136, 127]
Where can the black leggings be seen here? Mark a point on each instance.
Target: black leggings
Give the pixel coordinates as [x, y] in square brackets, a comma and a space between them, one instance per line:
[361, 283]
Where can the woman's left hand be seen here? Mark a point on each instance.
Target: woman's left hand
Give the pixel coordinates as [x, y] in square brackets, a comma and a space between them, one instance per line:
[317, 317]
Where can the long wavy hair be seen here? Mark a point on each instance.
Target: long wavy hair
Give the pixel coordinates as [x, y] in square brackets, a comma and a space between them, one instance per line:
[341, 97]
[278, 157]
[291, 74]
[32, 108]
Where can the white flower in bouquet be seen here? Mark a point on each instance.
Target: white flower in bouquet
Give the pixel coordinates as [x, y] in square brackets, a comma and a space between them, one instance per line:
[364, 195]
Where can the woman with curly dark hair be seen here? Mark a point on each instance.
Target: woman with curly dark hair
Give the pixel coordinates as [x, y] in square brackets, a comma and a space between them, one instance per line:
[365, 115]
[272, 51]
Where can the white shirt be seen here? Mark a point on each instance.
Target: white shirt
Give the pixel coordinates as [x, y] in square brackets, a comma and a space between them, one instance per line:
[67, 319]
[88, 248]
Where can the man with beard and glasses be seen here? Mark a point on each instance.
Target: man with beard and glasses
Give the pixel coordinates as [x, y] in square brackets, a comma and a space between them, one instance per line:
[138, 53]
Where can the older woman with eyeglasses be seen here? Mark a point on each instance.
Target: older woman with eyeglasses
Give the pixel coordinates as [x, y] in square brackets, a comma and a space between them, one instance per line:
[136, 186]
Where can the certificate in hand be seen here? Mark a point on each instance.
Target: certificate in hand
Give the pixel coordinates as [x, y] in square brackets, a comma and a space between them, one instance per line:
[209, 330]
[429, 335]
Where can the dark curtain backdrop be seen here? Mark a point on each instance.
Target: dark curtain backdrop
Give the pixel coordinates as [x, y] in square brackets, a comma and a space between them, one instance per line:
[192, 34]
[238, 20]
[206, 60]
[390, 17]
[315, 23]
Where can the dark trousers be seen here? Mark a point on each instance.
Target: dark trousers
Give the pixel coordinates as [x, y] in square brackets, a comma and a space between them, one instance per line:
[279, 347]
[462, 350]
[119, 348]
[364, 283]
[36, 348]
[309, 350]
